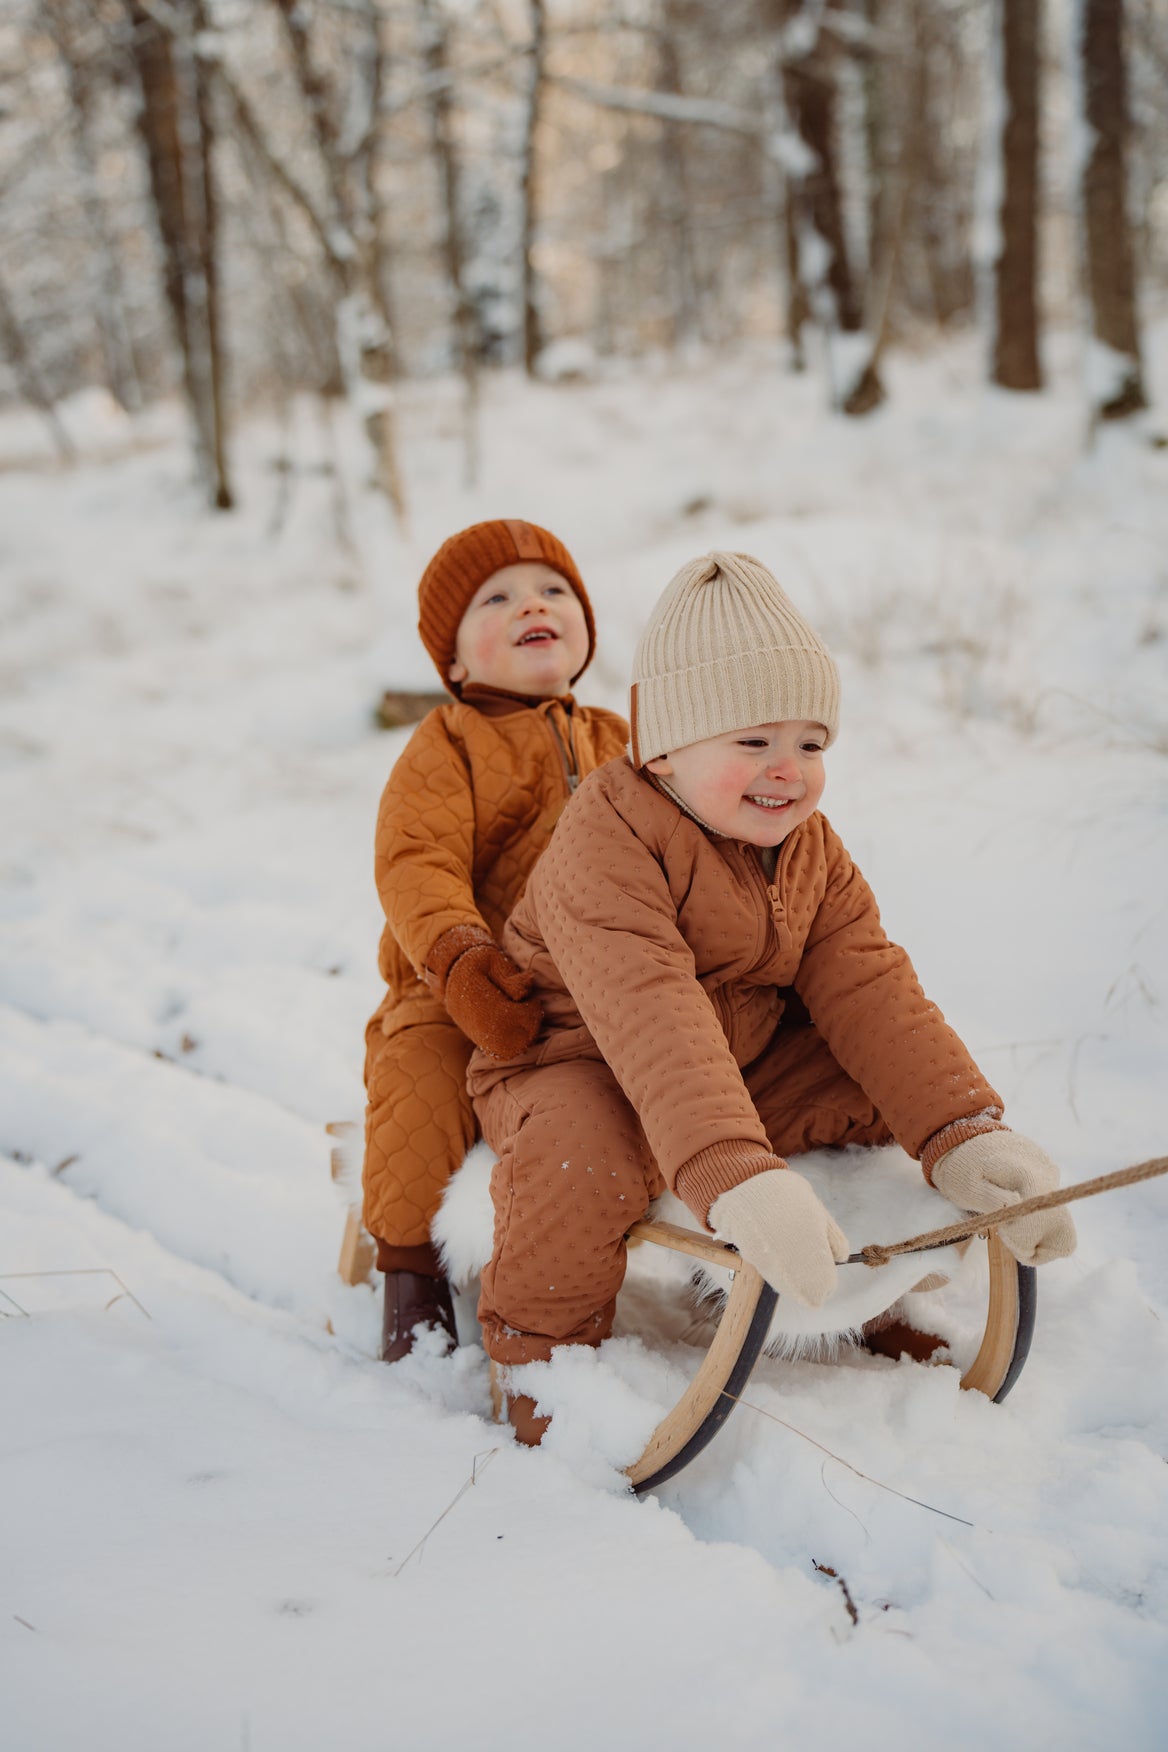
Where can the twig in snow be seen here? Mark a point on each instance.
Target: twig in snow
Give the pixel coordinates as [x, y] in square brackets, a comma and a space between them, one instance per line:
[825, 1569]
[891, 1489]
[80, 1271]
[964, 1566]
[840, 1503]
[26, 1624]
[486, 1457]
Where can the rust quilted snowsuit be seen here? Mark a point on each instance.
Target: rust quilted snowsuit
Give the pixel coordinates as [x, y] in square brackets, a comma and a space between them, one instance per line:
[469, 806]
[696, 1018]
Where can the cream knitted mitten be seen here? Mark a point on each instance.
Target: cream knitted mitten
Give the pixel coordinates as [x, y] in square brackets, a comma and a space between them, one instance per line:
[998, 1168]
[779, 1225]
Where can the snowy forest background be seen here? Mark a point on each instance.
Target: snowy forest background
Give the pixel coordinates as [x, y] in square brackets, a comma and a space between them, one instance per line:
[252, 199]
[875, 291]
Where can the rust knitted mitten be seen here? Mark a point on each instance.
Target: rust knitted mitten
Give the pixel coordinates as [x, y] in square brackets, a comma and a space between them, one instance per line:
[484, 992]
[779, 1225]
[1000, 1168]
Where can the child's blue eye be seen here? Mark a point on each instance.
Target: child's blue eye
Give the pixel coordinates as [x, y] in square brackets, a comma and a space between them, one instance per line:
[554, 589]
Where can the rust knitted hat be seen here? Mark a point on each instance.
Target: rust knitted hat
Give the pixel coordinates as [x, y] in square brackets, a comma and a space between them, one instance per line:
[468, 559]
[724, 649]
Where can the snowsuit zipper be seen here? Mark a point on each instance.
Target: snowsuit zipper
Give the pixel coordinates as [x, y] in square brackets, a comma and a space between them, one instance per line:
[567, 754]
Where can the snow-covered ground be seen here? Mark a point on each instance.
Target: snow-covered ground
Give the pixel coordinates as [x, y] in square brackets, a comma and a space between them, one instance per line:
[225, 1525]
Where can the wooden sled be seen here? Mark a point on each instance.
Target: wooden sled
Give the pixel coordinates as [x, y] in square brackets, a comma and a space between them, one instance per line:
[742, 1331]
[746, 1320]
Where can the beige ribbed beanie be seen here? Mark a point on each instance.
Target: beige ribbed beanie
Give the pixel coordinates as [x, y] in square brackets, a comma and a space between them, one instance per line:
[725, 649]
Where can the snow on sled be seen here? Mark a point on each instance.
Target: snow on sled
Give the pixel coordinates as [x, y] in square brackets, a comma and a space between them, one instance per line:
[875, 1196]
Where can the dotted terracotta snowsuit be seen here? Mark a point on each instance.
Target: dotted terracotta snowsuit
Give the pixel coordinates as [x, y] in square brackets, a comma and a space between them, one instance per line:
[469, 806]
[696, 1019]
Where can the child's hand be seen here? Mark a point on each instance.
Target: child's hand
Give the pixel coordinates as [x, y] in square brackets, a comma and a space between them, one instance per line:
[484, 991]
[997, 1168]
[779, 1225]
[488, 997]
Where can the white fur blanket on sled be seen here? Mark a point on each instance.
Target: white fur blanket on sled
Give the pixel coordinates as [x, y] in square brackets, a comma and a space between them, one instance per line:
[874, 1195]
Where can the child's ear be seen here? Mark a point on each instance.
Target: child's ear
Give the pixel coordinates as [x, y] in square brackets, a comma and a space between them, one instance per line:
[457, 672]
[660, 765]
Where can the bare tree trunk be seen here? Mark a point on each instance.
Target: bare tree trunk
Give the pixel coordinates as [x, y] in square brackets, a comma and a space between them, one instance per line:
[685, 312]
[779, 182]
[77, 55]
[533, 338]
[939, 226]
[895, 158]
[175, 124]
[32, 385]
[1015, 365]
[810, 93]
[367, 157]
[466, 336]
[1117, 387]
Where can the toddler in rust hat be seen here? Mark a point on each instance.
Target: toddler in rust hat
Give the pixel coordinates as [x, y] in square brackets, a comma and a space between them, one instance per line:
[469, 806]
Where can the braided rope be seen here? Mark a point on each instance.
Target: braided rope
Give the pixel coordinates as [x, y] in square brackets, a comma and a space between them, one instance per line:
[878, 1254]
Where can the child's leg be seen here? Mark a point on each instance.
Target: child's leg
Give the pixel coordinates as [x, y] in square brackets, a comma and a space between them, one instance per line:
[805, 1098]
[574, 1174]
[419, 1125]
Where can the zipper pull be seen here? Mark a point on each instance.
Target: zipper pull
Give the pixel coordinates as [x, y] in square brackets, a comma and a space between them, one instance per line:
[779, 917]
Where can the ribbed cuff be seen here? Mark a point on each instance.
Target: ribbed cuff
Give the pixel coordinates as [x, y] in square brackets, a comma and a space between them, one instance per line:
[958, 1132]
[716, 1169]
[422, 1259]
[445, 951]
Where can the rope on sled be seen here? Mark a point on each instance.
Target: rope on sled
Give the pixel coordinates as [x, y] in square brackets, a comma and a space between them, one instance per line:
[877, 1253]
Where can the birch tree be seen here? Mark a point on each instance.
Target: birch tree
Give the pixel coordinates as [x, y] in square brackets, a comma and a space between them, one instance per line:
[343, 123]
[808, 51]
[436, 59]
[78, 46]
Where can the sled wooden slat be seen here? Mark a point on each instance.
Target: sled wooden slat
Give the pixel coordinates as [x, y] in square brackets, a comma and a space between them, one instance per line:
[690, 1241]
[358, 1252]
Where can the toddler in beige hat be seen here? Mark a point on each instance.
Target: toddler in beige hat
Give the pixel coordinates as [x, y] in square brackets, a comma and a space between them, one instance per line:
[719, 994]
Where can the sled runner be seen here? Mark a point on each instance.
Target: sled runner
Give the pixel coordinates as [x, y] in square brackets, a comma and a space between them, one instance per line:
[745, 1325]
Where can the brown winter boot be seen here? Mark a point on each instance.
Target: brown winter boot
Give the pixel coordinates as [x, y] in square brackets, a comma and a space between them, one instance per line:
[895, 1338]
[413, 1299]
[517, 1409]
[529, 1429]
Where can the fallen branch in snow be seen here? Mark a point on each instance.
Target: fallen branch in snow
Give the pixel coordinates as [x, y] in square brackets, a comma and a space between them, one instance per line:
[486, 1457]
[81, 1271]
[867, 1477]
[825, 1569]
